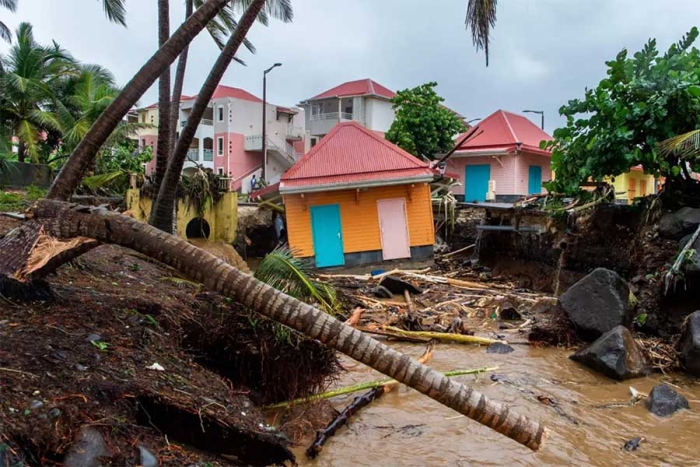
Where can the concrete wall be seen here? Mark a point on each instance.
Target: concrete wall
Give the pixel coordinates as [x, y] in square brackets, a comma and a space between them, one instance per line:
[222, 217]
[379, 114]
[23, 174]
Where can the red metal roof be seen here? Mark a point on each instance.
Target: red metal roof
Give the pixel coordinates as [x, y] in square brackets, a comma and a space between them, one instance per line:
[350, 154]
[361, 87]
[503, 130]
[236, 93]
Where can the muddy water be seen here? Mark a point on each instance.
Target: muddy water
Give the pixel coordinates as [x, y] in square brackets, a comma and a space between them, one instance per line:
[407, 429]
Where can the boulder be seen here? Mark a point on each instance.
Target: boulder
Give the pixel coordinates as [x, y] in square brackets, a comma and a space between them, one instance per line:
[615, 354]
[670, 226]
[689, 219]
[499, 347]
[693, 264]
[88, 450]
[690, 344]
[397, 286]
[664, 401]
[597, 303]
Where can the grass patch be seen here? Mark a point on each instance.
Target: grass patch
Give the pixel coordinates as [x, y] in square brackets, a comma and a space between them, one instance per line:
[15, 201]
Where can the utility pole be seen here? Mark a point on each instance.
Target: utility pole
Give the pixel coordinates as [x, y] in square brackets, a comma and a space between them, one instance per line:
[264, 121]
[540, 112]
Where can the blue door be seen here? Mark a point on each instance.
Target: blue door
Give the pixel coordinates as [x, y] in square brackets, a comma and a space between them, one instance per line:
[327, 235]
[476, 182]
[534, 180]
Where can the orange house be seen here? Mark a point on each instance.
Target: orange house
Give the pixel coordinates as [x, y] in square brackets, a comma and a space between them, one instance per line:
[356, 199]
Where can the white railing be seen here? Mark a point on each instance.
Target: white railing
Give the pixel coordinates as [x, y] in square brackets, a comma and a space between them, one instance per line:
[208, 155]
[204, 121]
[193, 155]
[225, 183]
[332, 116]
[286, 150]
[294, 131]
[253, 143]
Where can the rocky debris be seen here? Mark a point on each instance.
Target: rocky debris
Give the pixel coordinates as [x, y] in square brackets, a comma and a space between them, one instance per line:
[86, 452]
[441, 246]
[692, 265]
[664, 401]
[398, 286]
[682, 222]
[615, 354]
[634, 443]
[690, 344]
[93, 337]
[597, 303]
[147, 458]
[500, 348]
[381, 292]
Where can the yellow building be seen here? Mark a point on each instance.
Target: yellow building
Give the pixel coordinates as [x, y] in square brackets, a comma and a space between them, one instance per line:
[634, 184]
[218, 223]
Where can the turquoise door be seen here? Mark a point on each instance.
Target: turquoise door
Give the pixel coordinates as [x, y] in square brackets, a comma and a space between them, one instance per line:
[534, 180]
[476, 182]
[327, 235]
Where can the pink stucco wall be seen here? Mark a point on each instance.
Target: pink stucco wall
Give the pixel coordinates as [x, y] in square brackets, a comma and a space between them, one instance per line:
[511, 174]
[150, 140]
[236, 161]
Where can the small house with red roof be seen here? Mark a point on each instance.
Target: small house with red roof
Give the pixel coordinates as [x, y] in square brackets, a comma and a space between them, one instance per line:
[502, 161]
[356, 199]
[364, 101]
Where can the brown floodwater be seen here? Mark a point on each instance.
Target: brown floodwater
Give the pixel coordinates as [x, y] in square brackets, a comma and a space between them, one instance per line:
[405, 428]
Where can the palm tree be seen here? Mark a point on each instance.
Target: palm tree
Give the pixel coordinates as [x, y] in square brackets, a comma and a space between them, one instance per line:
[71, 173]
[481, 18]
[162, 211]
[4, 30]
[164, 108]
[29, 78]
[68, 221]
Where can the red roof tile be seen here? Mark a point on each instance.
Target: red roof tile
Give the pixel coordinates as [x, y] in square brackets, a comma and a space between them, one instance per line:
[351, 155]
[236, 93]
[502, 131]
[361, 87]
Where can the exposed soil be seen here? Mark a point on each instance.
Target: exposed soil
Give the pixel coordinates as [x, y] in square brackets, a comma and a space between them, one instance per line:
[127, 347]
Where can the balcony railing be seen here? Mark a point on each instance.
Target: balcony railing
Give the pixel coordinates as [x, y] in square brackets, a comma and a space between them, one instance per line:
[294, 131]
[340, 116]
[207, 155]
[286, 150]
[204, 121]
[193, 155]
[225, 183]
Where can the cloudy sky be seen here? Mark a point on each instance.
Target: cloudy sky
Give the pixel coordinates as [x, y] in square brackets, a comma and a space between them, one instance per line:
[543, 52]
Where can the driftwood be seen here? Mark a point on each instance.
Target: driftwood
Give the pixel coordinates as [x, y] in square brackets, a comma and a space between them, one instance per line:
[323, 435]
[363, 386]
[425, 336]
[461, 250]
[354, 319]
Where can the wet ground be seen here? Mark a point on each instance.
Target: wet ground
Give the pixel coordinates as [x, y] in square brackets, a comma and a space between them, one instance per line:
[405, 428]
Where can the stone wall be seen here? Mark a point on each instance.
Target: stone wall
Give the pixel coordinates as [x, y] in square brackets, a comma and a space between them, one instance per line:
[22, 174]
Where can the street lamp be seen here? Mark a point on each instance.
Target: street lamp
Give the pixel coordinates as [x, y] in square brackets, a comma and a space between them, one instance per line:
[473, 120]
[541, 112]
[264, 120]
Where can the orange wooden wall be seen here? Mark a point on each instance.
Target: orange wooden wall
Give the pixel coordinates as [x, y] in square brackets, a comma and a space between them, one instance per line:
[359, 218]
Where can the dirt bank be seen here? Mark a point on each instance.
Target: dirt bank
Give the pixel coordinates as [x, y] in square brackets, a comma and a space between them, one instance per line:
[128, 348]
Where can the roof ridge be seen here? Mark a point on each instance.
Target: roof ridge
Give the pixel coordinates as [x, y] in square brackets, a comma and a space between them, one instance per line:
[505, 117]
[402, 152]
[305, 158]
[371, 85]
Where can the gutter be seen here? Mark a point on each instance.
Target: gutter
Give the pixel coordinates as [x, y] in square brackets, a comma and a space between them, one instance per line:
[354, 185]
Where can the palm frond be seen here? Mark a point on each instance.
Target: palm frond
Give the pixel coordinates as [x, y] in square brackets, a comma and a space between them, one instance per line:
[115, 11]
[9, 4]
[5, 32]
[481, 18]
[96, 182]
[281, 270]
[686, 145]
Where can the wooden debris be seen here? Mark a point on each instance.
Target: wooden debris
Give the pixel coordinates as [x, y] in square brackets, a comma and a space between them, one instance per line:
[461, 250]
[391, 331]
[354, 319]
[323, 435]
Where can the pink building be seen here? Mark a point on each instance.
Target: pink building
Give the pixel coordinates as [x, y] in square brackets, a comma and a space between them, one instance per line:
[503, 161]
[229, 137]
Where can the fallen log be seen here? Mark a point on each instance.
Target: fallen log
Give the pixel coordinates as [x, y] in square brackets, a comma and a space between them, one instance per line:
[391, 331]
[461, 250]
[65, 221]
[367, 385]
[323, 435]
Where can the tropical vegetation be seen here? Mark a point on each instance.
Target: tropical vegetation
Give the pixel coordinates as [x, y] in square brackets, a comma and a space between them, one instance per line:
[645, 99]
[423, 125]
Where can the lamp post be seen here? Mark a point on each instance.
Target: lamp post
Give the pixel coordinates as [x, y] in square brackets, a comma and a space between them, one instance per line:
[264, 121]
[473, 120]
[540, 112]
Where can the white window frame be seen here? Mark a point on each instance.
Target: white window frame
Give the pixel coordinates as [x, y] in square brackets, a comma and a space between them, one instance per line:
[220, 146]
[220, 113]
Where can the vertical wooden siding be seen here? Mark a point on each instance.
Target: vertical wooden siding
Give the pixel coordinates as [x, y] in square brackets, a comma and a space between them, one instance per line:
[359, 219]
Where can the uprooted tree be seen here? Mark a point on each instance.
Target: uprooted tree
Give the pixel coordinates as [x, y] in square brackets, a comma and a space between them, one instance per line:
[70, 230]
[644, 100]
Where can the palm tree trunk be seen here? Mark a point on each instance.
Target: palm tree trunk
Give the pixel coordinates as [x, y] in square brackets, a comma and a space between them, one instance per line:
[162, 210]
[178, 85]
[72, 172]
[66, 220]
[21, 151]
[163, 145]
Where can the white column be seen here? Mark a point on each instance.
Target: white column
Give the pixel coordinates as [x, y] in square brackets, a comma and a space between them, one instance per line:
[201, 149]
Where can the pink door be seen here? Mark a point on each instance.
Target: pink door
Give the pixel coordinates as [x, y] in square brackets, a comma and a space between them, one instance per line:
[393, 227]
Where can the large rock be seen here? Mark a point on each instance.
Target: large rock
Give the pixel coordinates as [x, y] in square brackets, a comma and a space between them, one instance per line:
[664, 401]
[682, 222]
[597, 303]
[615, 354]
[690, 344]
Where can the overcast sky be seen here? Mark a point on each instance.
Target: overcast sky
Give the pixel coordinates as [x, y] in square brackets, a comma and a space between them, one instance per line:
[543, 52]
